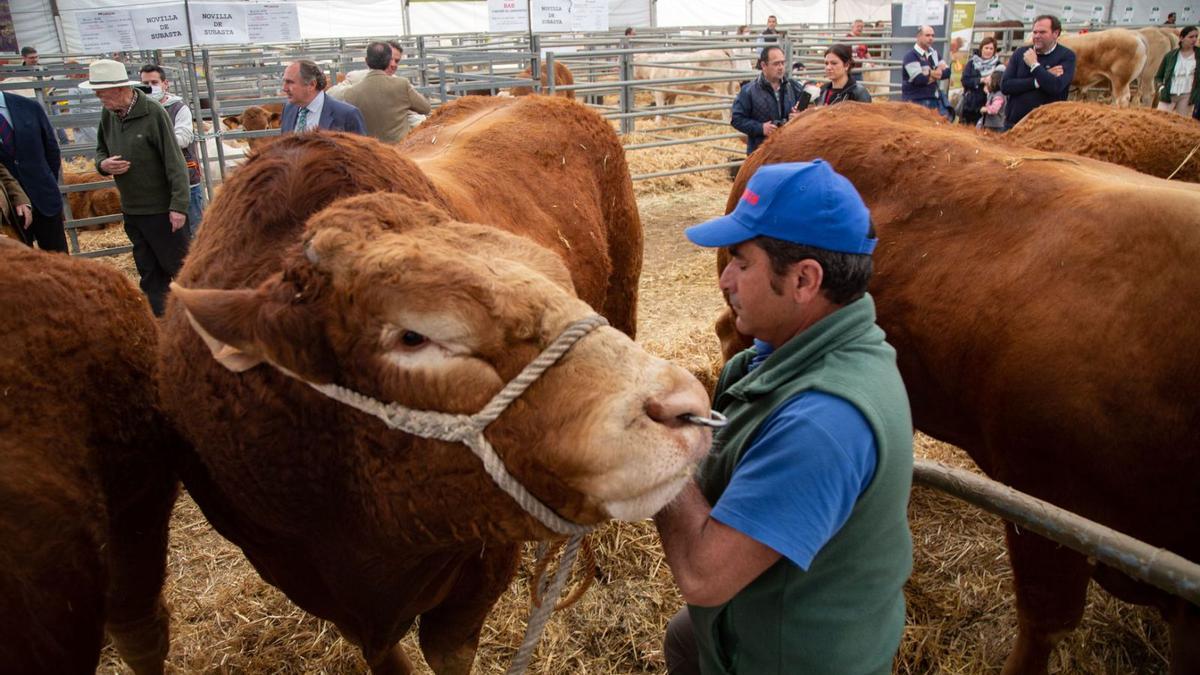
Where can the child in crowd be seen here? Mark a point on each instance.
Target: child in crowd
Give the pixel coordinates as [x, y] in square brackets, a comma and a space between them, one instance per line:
[992, 113]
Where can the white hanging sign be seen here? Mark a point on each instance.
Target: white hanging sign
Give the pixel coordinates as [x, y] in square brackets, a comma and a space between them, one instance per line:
[272, 22]
[221, 23]
[1155, 13]
[161, 27]
[1029, 13]
[1186, 15]
[1068, 14]
[507, 15]
[1127, 16]
[993, 11]
[109, 30]
[1097, 12]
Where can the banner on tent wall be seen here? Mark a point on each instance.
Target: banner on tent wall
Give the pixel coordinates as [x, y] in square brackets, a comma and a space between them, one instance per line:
[1098, 13]
[962, 23]
[993, 11]
[165, 26]
[1029, 13]
[1127, 14]
[1186, 15]
[160, 27]
[549, 16]
[1068, 14]
[8, 33]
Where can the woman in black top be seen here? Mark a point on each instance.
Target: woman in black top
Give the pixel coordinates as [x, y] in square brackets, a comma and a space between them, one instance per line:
[841, 86]
[979, 69]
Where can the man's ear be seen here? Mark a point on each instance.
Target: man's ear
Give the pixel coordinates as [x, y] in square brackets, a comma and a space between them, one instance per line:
[808, 274]
[244, 328]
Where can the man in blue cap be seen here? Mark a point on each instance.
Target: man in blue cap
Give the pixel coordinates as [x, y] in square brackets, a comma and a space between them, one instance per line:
[792, 548]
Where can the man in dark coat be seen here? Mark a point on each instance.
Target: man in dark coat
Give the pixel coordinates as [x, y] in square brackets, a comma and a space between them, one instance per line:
[29, 150]
[1039, 74]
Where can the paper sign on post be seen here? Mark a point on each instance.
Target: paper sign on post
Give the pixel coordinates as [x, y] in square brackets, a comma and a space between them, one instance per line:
[219, 23]
[161, 27]
[106, 31]
[507, 15]
[272, 22]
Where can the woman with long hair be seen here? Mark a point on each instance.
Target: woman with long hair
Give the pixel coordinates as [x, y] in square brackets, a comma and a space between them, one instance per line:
[979, 69]
[841, 85]
[1178, 79]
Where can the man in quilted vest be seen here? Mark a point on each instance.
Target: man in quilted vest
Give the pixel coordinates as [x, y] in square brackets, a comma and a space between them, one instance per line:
[792, 547]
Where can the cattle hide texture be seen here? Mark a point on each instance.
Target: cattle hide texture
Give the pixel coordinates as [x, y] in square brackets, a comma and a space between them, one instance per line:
[428, 274]
[1042, 316]
[1150, 141]
[91, 203]
[86, 488]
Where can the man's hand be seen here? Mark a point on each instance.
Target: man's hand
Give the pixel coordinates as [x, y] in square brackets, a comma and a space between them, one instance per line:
[115, 165]
[769, 128]
[935, 74]
[178, 220]
[794, 113]
[26, 213]
[1030, 57]
[1056, 71]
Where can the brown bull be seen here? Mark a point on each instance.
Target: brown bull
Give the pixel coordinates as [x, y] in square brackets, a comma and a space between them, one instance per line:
[86, 487]
[469, 249]
[1042, 313]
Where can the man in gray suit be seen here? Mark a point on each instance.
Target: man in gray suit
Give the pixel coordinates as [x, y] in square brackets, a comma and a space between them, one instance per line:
[384, 100]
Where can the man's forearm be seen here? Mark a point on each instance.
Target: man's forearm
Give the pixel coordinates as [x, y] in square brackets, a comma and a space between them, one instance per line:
[680, 525]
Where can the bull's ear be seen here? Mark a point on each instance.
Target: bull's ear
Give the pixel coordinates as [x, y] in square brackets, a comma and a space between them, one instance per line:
[244, 328]
[275, 120]
[232, 121]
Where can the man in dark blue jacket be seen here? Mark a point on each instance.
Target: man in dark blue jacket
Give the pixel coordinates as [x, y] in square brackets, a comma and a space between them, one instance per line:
[29, 150]
[308, 107]
[921, 71]
[1039, 74]
[765, 104]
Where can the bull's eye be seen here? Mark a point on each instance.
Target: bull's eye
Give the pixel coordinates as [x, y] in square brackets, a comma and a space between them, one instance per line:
[412, 339]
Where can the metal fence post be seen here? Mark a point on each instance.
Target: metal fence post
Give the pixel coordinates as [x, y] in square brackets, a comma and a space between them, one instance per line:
[424, 73]
[626, 93]
[442, 80]
[549, 73]
[216, 116]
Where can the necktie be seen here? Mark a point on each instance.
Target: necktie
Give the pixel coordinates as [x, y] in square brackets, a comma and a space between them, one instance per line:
[302, 121]
[6, 136]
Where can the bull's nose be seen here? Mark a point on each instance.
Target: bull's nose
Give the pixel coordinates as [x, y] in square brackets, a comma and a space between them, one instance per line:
[684, 396]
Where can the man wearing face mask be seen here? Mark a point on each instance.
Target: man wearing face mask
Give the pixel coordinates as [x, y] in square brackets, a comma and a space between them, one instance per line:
[181, 117]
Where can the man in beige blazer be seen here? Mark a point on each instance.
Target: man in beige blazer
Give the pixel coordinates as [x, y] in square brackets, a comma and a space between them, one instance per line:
[384, 100]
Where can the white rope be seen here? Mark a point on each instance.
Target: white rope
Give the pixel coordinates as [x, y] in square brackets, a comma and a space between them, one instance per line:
[468, 429]
[541, 613]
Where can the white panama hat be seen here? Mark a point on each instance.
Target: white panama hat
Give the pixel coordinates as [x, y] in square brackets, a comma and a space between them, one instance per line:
[106, 74]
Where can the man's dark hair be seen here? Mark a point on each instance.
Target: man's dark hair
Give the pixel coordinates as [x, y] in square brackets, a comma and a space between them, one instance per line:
[26, 51]
[629, 30]
[379, 55]
[765, 54]
[846, 274]
[1055, 24]
[152, 68]
[772, 17]
[395, 44]
[310, 72]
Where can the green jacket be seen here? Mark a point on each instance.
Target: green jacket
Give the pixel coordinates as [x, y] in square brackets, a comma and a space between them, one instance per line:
[157, 180]
[1166, 73]
[845, 614]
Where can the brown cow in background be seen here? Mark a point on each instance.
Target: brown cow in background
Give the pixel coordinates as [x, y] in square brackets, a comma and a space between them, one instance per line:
[562, 76]
[1150, 141]
[256, 118]
[397, 295]
[85, 483]
[1043, 317]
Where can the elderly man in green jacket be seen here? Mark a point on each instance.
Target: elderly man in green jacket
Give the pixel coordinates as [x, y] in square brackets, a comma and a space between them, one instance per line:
[136, 146]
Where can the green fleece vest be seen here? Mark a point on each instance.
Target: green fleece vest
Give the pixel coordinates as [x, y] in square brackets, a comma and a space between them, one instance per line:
[845, 614]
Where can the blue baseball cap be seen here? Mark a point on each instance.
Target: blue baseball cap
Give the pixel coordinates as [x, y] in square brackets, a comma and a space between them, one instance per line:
[802, 202]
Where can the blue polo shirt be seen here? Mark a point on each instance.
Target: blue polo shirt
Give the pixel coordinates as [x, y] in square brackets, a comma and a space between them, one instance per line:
[797, 482]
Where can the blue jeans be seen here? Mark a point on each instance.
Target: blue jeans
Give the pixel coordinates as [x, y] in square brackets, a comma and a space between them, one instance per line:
[933, 104]
[195, 209]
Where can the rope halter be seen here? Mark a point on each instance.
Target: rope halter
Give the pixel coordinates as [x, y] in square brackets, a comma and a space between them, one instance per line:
[468, 429]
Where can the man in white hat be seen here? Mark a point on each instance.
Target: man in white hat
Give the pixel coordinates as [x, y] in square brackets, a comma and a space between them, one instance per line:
[136, 146]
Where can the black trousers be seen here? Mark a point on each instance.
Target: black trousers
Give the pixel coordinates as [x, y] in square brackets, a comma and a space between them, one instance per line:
[680, 648]
[158, 254]
[47, 231]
